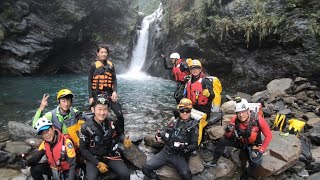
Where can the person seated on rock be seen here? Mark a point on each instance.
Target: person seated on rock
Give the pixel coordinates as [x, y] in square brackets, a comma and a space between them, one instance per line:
[99, 143]
[180, 140]
[180, 69]
[63, 115]
[244, 132]
[102, 79]
[58, 149]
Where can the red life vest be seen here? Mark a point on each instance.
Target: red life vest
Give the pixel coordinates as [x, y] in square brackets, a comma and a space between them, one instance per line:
[249, 132]
[54, 154]
[178, 75]
[102, 77]
[194, 93]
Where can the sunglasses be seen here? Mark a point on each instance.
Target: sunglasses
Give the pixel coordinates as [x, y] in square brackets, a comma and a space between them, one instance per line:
[183, 110]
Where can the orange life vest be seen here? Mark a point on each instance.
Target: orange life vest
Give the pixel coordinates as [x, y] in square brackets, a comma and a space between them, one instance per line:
[178, 74]
[54, 154]
[194, 92]
[102, 76]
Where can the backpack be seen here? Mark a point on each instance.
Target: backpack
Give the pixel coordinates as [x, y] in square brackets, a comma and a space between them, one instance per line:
[217, 89]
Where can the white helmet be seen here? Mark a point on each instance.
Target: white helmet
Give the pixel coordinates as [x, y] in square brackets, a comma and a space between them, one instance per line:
[175, 56]
[241, 105]
[43, 124]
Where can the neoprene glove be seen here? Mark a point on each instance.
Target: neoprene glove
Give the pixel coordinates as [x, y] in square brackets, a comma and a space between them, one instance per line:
[23, 163]
[186, 78]
[206, 93]
[127, 142]
[229, 128]
[102, 167]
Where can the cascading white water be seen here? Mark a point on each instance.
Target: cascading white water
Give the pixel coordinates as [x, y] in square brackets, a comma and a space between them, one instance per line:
[139, 52]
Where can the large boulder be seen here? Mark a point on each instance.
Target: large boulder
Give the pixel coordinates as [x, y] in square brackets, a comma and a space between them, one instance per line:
[19, 131]
[228, 107]
[283, 152]
[16, 147]
[278, 86]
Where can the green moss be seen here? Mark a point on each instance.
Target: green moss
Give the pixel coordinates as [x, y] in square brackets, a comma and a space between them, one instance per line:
[259, 22]
[2, 35]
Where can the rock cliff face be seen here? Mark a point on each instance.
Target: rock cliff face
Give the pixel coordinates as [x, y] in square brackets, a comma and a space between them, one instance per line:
[40, 36]
[244, 42]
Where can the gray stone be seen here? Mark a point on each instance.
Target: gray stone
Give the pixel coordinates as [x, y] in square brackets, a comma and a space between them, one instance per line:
[316, 154]
[196, 164]
[312, 122]
[315, 176]
[226, 119]
[228, 107]
[33, 142]
[283, 152]
[262, 95]
[301, 96]
[19, 131]
[4, 136]
[300, 80]
[314, 135]
[243, 95]
[289, 100]
[310, 115]
[278, 86]
[278, 106]
[7, 174]
[17, 147]
[285, 111]
[302, 87]
[215, 132]
[4, 156]
[225, 168]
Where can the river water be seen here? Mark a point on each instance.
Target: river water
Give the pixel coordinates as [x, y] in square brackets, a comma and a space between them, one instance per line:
[140, 96]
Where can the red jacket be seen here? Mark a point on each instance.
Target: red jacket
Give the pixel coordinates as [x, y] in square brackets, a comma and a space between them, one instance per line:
[178, 74]
[262, 127]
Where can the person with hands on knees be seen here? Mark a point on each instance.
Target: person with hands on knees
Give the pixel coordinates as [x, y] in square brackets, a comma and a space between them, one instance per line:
[180, 139]
[102, 79]
[58, 149]
[244, 132]
[99, 139]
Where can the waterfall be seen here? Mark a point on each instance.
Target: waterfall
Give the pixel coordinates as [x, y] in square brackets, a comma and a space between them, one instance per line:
[139, 52]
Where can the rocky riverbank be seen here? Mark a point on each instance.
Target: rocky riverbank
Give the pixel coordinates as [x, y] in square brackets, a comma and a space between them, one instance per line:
[287, 157]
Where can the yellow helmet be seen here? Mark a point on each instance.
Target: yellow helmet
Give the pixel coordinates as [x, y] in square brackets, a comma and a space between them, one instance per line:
[63, 93]
[189, 61]
[185, 103]
[195, 63]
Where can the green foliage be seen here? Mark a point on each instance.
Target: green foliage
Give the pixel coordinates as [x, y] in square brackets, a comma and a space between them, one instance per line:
[259, 21]
[314, 24]
[148, 6]
[2, 35]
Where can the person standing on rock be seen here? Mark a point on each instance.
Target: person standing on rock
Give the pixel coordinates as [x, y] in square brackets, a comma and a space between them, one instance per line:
[99, 143]
[102, 79]
[199, 89]
[180, 139]
[58, 149]
[244, 132]
[180, 70]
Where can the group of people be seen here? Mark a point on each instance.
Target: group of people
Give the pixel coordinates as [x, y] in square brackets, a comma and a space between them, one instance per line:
[71, 139]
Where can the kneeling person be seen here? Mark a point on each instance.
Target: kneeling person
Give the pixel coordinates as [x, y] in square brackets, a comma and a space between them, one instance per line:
[59, 151]
[181, 138]
[98, 143]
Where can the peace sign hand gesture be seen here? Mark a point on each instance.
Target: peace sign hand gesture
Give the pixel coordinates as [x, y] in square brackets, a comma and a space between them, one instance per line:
[44, 102]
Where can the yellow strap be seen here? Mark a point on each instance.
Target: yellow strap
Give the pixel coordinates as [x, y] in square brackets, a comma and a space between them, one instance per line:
[279, 121]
